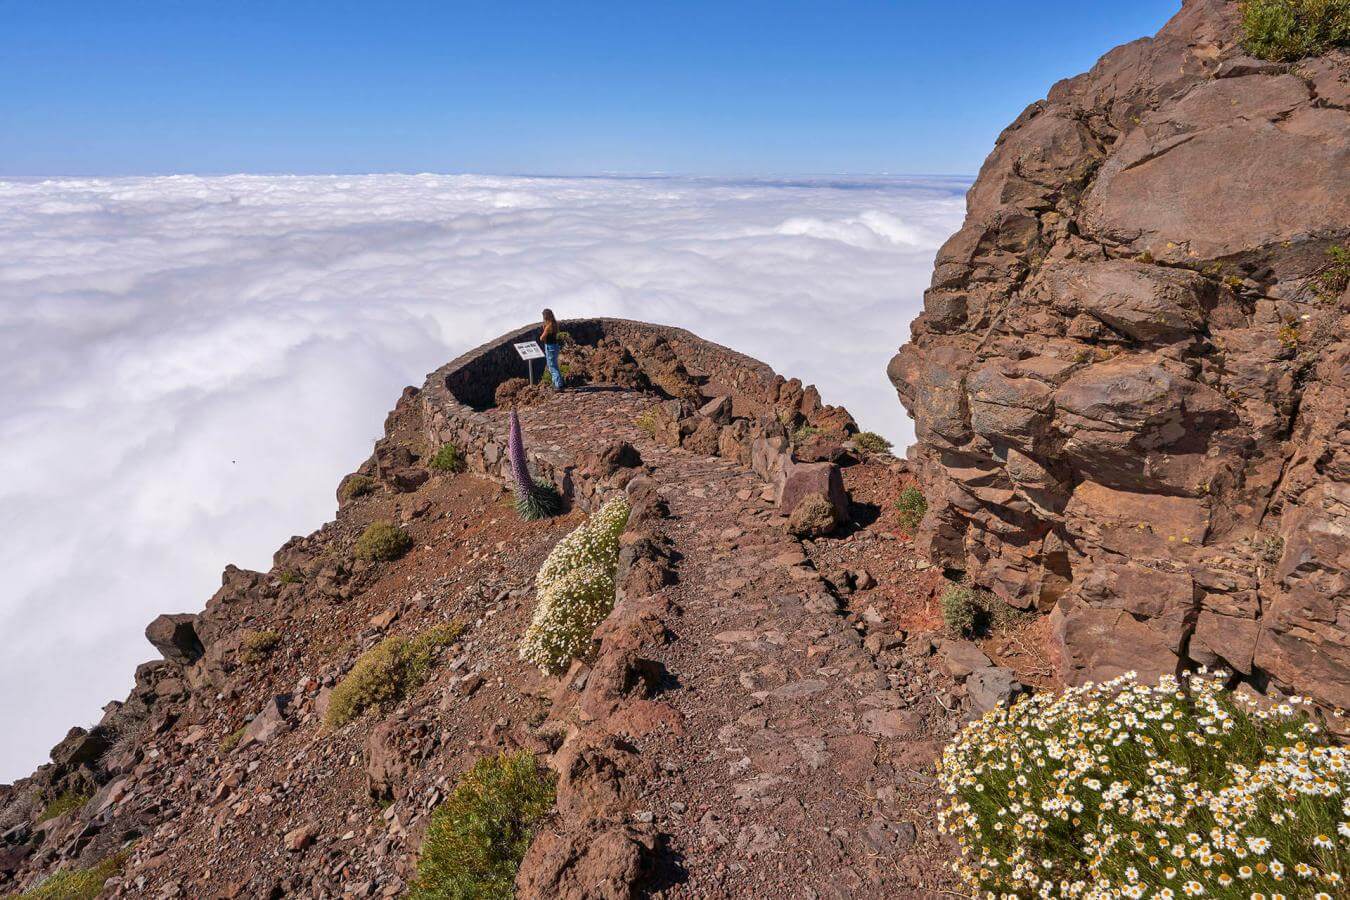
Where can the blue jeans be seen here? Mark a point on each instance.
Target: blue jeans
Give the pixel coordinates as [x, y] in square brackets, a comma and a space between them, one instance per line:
[551, 360]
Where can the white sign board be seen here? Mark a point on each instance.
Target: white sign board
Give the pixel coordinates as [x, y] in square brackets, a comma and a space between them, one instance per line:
[529, 350]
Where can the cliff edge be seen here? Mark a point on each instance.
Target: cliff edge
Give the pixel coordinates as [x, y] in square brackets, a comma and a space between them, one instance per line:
[1131, 377]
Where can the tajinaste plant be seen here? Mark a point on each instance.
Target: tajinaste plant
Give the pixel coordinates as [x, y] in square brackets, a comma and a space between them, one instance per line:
[534, 499]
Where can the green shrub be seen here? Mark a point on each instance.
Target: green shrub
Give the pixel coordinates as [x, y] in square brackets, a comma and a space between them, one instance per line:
[63, 804]
[357, 486]
[804, 433]
[1293, 29]
[912, 507]
[78, 884]
[258, 645]
[1137, 790]
[646, 420]
[969, 611]
[388, 673]
[478, 836]
[871, 442]
[575, 589]
[1333, 278]
[383, 541]
[543, 502]
[231, 740]
[290, 576]
[448, 459]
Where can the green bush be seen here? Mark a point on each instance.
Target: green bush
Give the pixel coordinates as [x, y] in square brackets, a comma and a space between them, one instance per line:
[63, 804]
[383, 541]
[969, 611]
[646, 420]
[357, 486]
[543, 502]
[804, 433]
[387, 674]
[1138, 790]
[1333, 278]
[912, 507]
[871, 442]
[231, 740]
[78, 884]
[258, 645]
[448, 459]
[290, 576]
[1292, 29]
[478, 836]
[575, 588]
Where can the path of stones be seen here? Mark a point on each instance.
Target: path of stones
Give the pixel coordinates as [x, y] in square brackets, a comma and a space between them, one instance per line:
[806, 764]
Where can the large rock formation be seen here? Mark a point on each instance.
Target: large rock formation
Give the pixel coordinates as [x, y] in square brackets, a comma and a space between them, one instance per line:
[1131, 377]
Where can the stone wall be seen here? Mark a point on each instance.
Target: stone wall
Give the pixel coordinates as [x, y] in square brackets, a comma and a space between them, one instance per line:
[741, 407]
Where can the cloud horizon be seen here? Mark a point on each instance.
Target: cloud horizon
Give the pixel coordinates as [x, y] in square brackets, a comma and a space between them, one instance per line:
[189, 364]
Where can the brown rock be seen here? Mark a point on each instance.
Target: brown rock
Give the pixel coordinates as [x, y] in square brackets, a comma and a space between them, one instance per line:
[1124, 371]
[800, 480]
[814, 516]
[298, 839]
[174, 635]
[960, 658]
[267, 724]
[600, 862]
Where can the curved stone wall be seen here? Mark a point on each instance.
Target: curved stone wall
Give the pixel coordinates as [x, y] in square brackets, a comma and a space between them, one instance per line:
[457, 399]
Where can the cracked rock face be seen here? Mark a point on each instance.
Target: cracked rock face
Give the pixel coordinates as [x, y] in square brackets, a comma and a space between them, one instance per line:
[1131, 378]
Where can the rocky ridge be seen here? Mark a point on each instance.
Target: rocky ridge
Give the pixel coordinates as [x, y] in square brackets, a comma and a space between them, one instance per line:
[1131, 378]
[760, 712]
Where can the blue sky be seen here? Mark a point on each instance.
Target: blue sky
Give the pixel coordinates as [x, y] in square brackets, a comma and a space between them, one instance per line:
[719, 87]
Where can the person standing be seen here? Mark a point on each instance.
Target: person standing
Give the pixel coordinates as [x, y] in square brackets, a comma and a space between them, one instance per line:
[549, 338]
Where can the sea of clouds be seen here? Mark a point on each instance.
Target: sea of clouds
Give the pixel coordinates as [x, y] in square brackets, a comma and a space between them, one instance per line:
[188, 365]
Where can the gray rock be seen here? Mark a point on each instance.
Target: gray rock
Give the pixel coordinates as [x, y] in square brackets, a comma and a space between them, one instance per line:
[960, 658]
[992, 687]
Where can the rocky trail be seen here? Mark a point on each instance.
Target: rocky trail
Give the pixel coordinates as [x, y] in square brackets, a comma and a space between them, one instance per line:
[759, 714]
[802, 761]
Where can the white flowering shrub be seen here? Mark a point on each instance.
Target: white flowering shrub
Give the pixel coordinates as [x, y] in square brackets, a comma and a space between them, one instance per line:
[575, 589]
[1161, 791]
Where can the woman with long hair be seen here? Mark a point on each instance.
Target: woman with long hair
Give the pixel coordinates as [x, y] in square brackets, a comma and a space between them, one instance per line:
[549, 338]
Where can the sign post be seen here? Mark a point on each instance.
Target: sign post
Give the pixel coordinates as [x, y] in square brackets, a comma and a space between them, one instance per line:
[529, 351]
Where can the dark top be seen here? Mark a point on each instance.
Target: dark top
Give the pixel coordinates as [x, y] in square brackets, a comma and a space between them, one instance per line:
[550, 333]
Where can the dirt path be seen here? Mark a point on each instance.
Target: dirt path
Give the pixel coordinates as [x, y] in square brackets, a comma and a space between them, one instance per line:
[804, 768]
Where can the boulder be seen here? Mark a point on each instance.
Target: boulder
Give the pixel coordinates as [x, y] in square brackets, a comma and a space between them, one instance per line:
[612, 457]
[801, 480]
[80, 748]
[992, 687]
[960, 658]
[813, 517]
[717, 409]
[598, 862]
[174, 635]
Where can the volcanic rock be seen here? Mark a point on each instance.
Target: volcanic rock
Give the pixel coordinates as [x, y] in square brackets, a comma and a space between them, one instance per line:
[1130, 371]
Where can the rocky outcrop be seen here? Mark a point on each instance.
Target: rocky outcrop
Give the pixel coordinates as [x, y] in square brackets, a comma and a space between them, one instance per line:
[1131, 377]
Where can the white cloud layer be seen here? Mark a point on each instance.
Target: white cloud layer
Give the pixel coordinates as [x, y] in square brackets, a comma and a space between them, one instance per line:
[188, 365]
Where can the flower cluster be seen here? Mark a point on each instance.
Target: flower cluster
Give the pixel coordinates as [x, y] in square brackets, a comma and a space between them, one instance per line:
[1179, 789]
[575, 588]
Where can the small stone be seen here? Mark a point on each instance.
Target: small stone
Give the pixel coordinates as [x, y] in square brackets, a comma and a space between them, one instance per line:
[298, 839]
